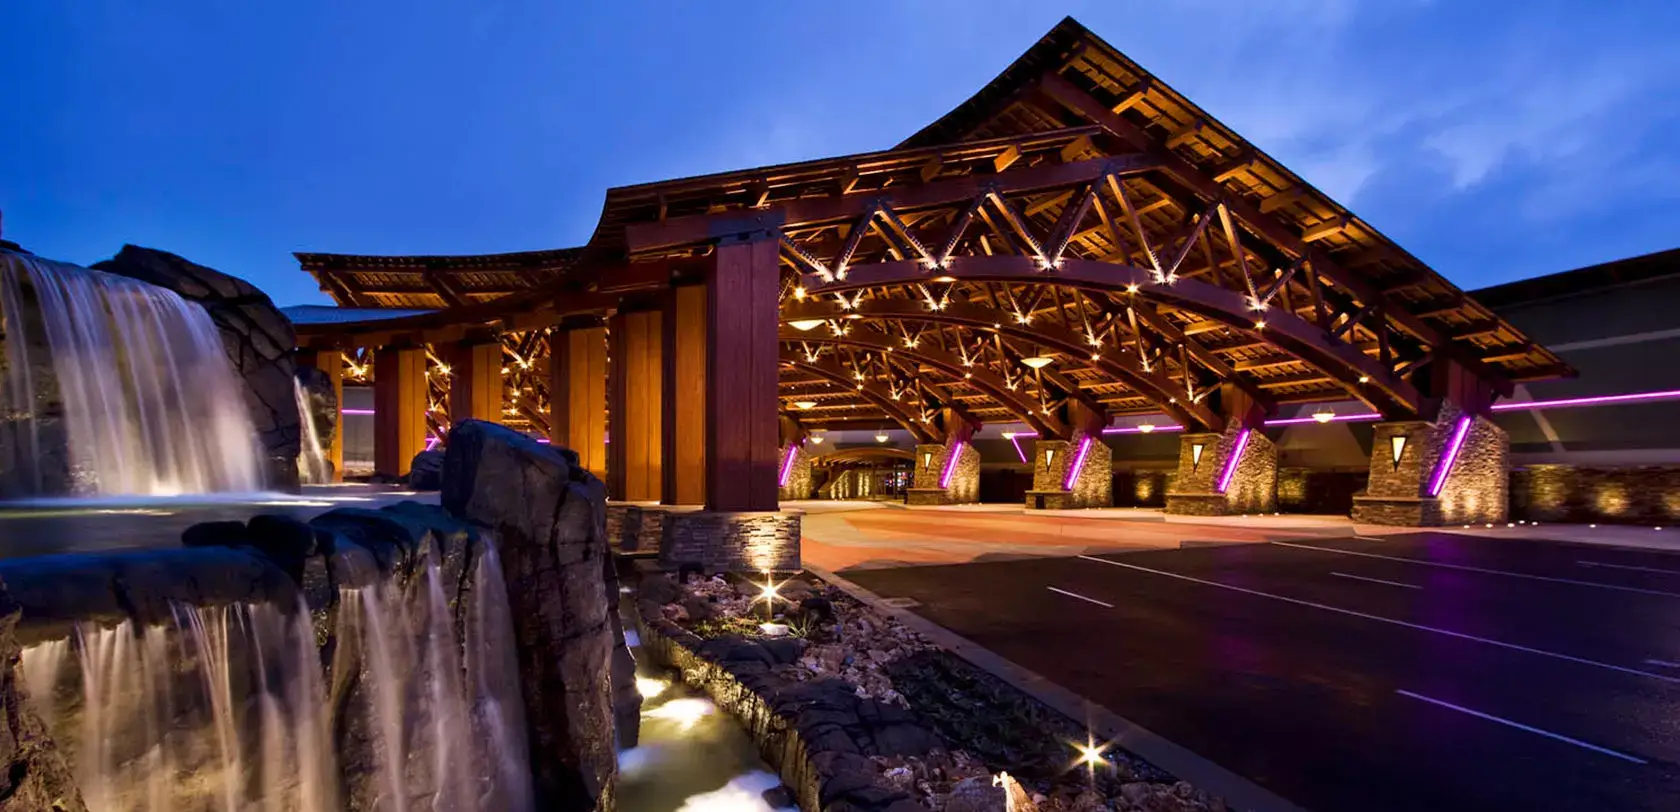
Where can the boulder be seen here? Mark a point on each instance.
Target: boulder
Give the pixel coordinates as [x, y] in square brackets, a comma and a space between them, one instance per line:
[258, 339]
[34, 775]
[425, 473]
[549, 514]
[322, 397]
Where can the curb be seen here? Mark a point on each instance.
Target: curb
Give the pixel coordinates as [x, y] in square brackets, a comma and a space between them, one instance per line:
[1237, 791]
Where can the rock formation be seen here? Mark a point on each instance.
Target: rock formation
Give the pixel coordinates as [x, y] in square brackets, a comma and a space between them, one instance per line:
[34, 774]
[258, 338]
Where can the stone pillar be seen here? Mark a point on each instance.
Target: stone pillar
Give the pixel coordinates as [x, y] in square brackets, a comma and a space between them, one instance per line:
[932, 462]
[331, 364]
[635, 407]
[797, 482]
[399, 408]
[1092, 485]
[685, 379]
[475, 381]
[1407, 459]
[577, 391]
[1209, 485]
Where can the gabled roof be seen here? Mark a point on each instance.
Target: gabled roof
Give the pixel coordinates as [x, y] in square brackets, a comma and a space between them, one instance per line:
[434, 281]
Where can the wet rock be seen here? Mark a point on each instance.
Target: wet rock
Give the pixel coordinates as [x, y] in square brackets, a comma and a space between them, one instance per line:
[322, 397]
[817, 609]
[660, 589]
[285, 540]
[977, 794]
[258, 339]
[550, 517]
[216, 534]
[779, 797]
[425, 473]
[34, 775]
[784, 650]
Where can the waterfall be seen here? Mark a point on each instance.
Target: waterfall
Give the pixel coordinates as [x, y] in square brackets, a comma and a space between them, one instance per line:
[226, 709]
[313, 467]
[131, 379]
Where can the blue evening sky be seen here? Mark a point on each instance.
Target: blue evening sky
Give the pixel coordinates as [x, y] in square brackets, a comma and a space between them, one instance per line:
[1495, 140]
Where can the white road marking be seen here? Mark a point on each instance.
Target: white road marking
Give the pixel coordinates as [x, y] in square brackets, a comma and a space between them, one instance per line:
[1520, 726]
[1380, 619]
[1662, 663]
[1627, 567]
[1375, 580]
[1368, 538]
[1081, 597]
[1468, 568]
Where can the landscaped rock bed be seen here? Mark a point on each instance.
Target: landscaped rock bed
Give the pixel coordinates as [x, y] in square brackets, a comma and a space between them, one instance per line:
[859, 712]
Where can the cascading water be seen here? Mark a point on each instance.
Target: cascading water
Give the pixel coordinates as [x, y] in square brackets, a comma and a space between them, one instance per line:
[313, 467]
[225, 709]
[126, 384]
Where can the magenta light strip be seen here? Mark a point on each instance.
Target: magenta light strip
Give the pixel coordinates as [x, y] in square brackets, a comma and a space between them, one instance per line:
[1015, 440]
[1460, 431]
[355, 411]
[432, 442]
[1598, 400]
[787, 466]
[1078, 464]
[1231, 461]
[951, 464]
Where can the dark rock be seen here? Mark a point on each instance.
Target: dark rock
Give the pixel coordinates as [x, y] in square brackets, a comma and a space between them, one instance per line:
[905, 805]
[425, 473]
[977, 794]
[699, 609]
[784, 650]
[258, 339]
[779, 797]
[845, 783]
[147, 586]
[903, 740]
[817, 609]
[34, 775]
[322, 397]
[285, 540]
[873, 796]
[550, 517]
[216, 534]
[688, 571]
[829, 738]
[660, 589]
[796, 590]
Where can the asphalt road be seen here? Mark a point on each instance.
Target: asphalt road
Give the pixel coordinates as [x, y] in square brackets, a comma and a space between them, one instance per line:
[1421, 672]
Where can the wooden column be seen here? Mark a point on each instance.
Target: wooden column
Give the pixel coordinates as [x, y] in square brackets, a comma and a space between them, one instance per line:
[399, 408]
[577, 391]
[475, 381]
[331, 364]
[742, 365]
[684, 353]
[635, 407]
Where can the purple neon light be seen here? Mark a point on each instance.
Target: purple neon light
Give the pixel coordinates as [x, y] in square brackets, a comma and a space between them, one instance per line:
[787, 466]
[1231, 461]
[950, 465]
[1460, 431]
[1015, 440]
[1597, 400]
[1078, 464]
[355, 411]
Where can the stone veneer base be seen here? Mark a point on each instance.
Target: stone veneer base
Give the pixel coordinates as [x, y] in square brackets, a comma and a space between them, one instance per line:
[1398, 511]
[1049, 500]
[926, 496]
[731, 542]
[1198, 504]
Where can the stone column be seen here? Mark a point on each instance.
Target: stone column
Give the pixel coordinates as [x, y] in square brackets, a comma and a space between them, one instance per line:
[1418, 480]
[684, 370]
[1208, 484]
[635, 407]
[577, 393]
[961, 477]
[399, 408]
[475, 381]
[1092, 484]
[794, 475]
[331, 364]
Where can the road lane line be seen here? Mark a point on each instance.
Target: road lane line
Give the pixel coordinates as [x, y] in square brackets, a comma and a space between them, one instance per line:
[1520, 726]
[1375, 580]
[1380, 619]
[1468, 568]
[1081, 597]
[1662, 663]
[1368, 538]
[1627, 567]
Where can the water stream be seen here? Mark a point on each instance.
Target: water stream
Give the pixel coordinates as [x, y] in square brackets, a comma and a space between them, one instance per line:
[226, 709]
[313, 468]
[114, 386]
